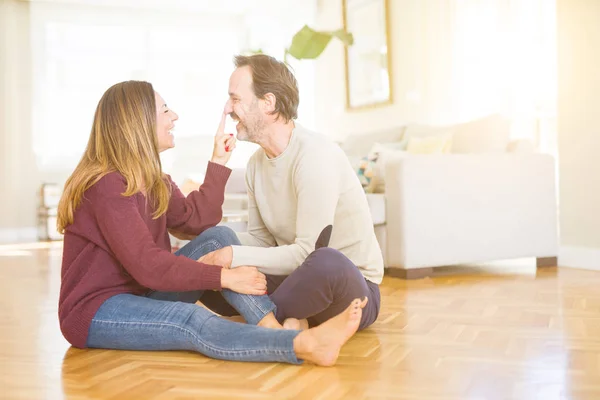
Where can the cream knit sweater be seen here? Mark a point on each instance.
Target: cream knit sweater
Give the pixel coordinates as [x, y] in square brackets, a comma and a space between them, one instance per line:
[294, 196]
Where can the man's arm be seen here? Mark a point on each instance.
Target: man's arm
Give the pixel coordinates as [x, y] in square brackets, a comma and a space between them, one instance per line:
[317, 180]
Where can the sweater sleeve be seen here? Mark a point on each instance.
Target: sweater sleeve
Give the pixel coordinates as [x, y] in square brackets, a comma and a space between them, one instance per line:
[317, 182]
[202, 208]
[129, 239]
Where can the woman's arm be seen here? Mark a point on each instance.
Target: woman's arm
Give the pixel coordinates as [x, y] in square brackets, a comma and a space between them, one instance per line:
[202, 208]
[132, 244]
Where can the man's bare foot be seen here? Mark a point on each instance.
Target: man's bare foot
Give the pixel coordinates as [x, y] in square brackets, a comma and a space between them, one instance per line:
[295, 324]
[269, 321]
[321, 345]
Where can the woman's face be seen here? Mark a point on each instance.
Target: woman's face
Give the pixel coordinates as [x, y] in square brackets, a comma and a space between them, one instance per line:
[165, 122]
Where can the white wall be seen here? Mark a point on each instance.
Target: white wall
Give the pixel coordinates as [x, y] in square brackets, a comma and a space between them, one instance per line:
[18, 170]
[423, 74]
[412, 84]
[452, 61]
[579, 132]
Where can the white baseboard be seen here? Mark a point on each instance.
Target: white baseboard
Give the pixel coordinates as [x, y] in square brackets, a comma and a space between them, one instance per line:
[579, 257]
[18, 235]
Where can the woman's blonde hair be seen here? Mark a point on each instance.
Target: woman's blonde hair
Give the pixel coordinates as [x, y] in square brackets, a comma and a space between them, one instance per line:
[124, 140]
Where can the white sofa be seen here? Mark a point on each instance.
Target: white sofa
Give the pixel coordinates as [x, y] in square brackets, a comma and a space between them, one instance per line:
[466, 208]
[479, 203]
[489, 199]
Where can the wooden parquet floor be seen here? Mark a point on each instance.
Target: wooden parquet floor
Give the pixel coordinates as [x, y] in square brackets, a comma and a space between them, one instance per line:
[469, 335]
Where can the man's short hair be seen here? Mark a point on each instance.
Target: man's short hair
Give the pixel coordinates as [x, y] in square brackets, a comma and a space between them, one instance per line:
[272, 76]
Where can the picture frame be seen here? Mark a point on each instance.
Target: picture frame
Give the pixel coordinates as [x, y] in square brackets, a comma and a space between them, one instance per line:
[368, 61]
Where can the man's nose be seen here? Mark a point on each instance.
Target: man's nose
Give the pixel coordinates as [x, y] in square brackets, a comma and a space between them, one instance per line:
[228, 107]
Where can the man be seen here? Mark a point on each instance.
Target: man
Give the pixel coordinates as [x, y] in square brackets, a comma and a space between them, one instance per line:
[298, 183]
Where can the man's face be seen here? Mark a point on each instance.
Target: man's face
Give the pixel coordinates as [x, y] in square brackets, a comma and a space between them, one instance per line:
[244, 107]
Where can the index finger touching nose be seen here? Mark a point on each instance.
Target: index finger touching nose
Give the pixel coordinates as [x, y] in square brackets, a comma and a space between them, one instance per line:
[221, 128]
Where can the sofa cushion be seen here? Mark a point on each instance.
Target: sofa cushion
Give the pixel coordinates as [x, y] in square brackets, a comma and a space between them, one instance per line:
[425, 131]
[436, 144]
[489, 134]
[359, 145]
[521, 146]
[486, 135]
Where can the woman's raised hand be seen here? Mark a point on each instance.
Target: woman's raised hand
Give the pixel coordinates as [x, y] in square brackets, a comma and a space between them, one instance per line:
[224, 143]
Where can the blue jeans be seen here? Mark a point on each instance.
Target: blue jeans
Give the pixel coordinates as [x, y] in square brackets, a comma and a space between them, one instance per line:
[171, 320]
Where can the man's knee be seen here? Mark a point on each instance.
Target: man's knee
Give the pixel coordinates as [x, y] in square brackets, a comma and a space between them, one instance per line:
[328, 261]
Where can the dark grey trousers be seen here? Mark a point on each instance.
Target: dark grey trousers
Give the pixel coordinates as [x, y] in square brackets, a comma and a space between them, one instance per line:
[319, 289]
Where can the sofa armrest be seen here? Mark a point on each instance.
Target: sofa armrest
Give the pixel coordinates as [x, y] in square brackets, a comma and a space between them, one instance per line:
[466, 208]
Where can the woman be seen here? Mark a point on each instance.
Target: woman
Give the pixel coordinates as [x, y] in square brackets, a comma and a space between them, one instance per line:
[122, 288]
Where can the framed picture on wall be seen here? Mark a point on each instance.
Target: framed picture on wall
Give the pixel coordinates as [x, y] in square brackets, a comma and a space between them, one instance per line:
[368, 59]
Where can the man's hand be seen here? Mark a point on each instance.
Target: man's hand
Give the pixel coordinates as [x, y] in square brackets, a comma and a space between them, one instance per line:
[244, 280]
[221, 257]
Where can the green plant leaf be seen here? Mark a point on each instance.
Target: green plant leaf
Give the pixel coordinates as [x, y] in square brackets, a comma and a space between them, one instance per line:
[308, 43]
[345, 37]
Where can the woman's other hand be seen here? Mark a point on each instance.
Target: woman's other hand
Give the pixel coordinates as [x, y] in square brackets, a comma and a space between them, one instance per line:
[244, 280]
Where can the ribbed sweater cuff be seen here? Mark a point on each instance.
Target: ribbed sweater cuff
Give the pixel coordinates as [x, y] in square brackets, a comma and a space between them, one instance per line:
[218, 171]
[211, 277]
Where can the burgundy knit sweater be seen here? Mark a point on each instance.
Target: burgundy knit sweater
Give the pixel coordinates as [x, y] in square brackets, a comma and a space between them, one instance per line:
[114, 246]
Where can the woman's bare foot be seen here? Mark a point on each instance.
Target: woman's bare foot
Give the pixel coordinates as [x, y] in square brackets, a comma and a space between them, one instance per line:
[321, 345]
[295, 324]
[236, 318]
[269, 321]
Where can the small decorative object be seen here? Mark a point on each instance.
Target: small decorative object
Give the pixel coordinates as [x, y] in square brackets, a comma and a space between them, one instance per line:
[366, 171]
[49, 196]
[368, 60]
